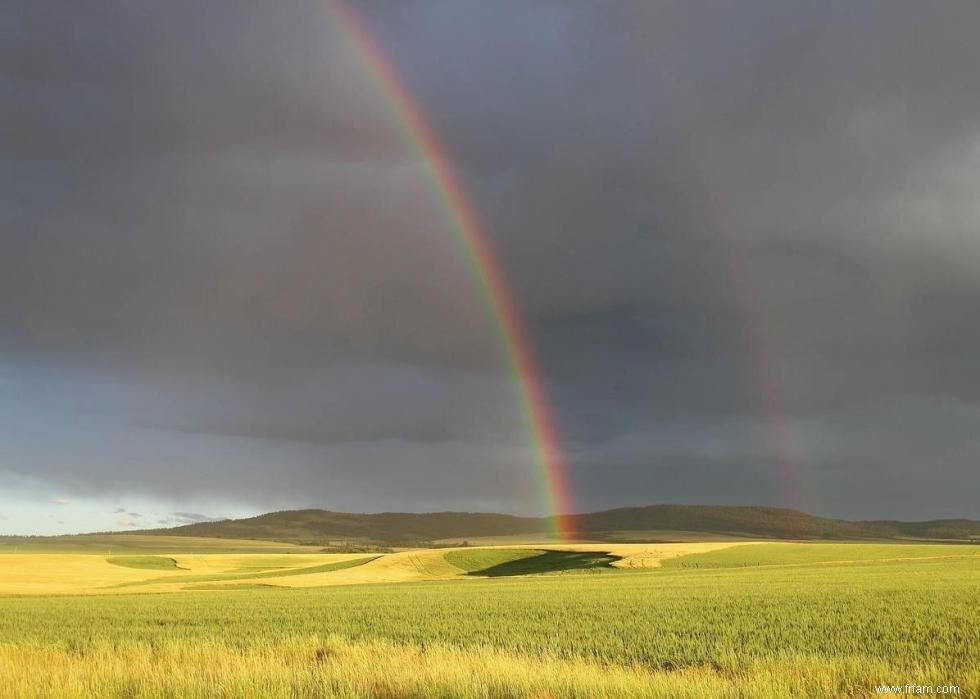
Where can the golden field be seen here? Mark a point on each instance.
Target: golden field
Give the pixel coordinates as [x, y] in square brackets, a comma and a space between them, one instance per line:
[701, 619]
[90, 573]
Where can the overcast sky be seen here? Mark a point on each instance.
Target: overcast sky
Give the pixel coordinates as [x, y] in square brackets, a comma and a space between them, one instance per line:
[744, 237]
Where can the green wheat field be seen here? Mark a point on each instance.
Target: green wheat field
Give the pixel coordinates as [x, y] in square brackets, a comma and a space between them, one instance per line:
[744, 620]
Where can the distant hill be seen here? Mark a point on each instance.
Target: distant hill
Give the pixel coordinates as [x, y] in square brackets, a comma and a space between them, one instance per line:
[769, 522]
[324, 527]
[655, 522]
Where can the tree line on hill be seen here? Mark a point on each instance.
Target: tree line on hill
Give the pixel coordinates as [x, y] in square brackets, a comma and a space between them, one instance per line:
[651, 523]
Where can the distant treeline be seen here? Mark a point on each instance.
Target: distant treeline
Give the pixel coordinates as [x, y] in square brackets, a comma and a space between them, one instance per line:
[655, 522]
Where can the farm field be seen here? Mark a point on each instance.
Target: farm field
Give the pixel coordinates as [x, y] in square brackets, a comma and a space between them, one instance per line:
[116, 544]
[709, 619]
[169, 571]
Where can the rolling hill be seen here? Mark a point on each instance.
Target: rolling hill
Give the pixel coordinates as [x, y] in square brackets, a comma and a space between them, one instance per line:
[652, 523]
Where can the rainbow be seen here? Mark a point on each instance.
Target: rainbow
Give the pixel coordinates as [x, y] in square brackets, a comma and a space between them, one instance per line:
[485, 267]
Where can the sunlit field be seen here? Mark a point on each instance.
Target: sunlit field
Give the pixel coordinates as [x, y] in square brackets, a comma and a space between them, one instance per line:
[709, 619]
[168, 571]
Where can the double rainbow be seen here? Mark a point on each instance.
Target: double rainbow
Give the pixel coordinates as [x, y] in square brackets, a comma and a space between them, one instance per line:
[471, 234]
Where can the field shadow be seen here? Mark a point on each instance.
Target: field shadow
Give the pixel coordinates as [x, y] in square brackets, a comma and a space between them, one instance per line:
[145, 562]
[550, 562]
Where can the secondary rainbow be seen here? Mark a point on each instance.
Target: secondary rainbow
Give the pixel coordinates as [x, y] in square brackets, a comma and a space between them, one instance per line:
[471, 234]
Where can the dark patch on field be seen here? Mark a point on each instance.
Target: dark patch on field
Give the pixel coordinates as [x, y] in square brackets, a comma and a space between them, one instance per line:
[550, 562]
[145, 562]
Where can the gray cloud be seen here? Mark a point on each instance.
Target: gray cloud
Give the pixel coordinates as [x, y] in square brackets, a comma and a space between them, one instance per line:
[743, 238]
[190, 517]
[131, 519]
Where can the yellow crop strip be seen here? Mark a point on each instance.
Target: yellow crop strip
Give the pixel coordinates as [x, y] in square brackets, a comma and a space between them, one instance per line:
[84, 573]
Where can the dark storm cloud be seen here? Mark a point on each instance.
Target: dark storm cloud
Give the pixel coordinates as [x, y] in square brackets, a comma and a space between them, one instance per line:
[222, 271]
